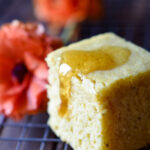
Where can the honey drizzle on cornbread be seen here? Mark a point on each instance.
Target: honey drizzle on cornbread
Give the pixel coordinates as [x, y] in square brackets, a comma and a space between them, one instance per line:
[84, 62]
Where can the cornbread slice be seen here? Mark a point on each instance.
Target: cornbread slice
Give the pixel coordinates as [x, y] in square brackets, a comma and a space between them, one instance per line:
[99, 91]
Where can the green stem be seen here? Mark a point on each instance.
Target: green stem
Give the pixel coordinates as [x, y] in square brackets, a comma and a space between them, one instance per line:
[68, 32]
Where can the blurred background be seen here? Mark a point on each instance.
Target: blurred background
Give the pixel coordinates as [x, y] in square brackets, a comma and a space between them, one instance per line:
[127, 18]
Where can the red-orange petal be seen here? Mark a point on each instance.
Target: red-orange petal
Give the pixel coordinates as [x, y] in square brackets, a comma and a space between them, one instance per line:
[41, 71]
[31, 61]
[7, 104]
[64, 11]
[17, 88]
[36, 95]
[38, 67]
[14, 106]
[11, 97]
[17, 38]
[5, 74]
[5, 70]
[61, 12]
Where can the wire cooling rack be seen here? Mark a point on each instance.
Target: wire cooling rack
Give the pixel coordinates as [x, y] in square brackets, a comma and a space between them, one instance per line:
[31, 133]
[127, 18]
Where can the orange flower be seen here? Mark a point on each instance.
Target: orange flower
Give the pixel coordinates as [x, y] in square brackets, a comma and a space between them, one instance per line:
[23, 72]
[60, 12]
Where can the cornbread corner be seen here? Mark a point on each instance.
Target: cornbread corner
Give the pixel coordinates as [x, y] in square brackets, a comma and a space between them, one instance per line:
[99, 91]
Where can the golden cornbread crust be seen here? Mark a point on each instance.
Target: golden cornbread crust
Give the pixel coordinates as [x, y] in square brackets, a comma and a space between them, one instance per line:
[107, 109]
[126, 125]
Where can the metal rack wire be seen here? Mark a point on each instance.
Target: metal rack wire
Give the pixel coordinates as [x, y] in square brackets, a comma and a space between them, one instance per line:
[32, 133]
[22, 134]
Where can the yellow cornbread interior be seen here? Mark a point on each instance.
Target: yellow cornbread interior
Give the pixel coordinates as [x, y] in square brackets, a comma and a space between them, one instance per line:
[84, 62]
[107, 103]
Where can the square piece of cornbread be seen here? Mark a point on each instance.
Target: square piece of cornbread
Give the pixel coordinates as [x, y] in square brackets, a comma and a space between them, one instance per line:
[99, 91]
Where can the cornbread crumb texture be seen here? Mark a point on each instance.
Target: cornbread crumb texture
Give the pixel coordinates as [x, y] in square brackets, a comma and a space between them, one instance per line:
[104, 107]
